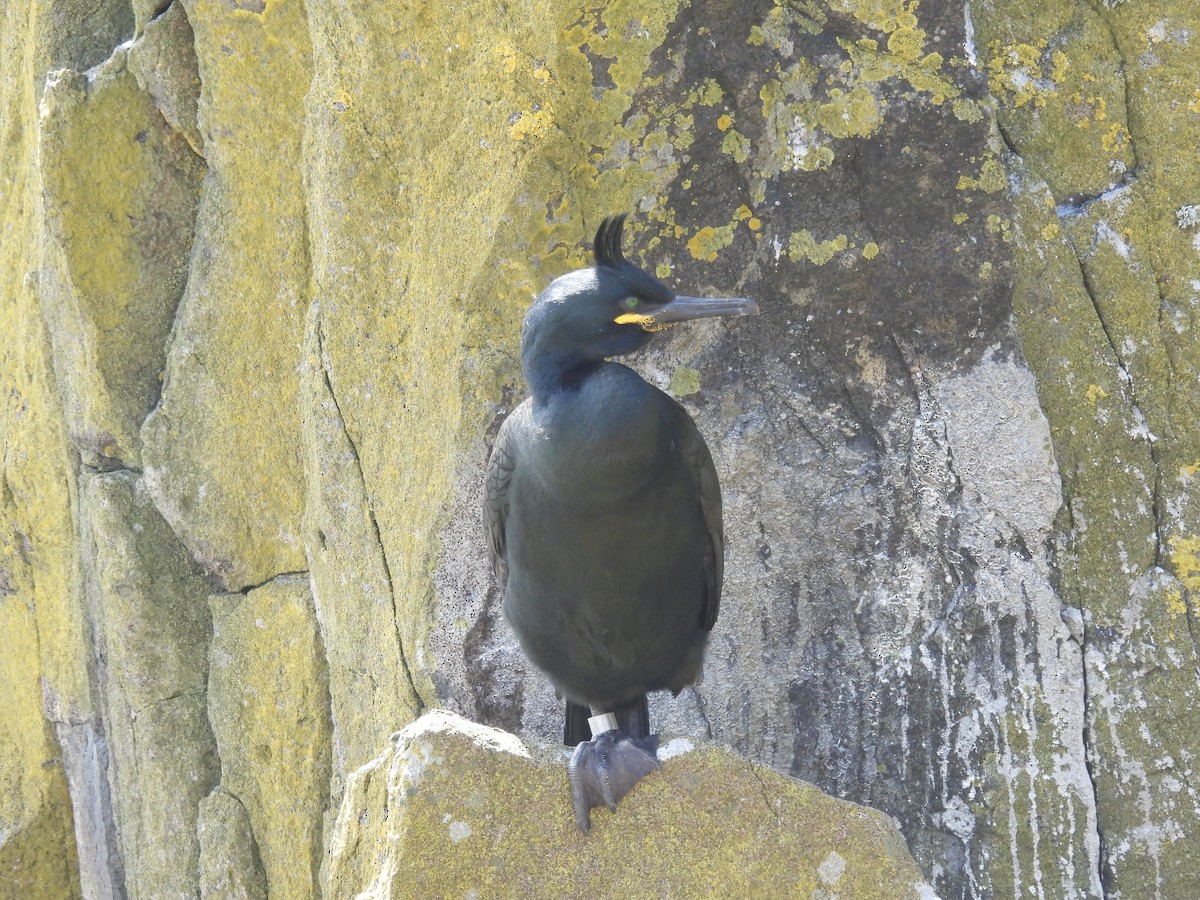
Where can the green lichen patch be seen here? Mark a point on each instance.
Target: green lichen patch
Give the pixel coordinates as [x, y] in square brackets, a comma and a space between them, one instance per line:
[992, 177]
[684, 382]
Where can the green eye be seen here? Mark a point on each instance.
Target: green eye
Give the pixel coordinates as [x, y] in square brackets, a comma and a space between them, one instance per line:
[631, 303]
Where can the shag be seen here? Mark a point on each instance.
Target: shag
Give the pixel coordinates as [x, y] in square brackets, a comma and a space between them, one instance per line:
[603, 516]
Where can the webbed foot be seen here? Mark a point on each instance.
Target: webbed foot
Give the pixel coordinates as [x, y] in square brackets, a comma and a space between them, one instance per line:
[605, 769]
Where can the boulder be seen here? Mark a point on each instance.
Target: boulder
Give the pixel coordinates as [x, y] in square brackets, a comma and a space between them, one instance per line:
[456, 809]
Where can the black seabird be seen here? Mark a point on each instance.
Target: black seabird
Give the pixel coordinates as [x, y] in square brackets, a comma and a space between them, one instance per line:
[603, 515]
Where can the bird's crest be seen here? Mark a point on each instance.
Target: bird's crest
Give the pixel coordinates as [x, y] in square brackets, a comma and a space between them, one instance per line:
[607, 245]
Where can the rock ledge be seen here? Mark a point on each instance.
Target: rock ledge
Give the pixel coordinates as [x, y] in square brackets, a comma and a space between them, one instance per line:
[453, 808]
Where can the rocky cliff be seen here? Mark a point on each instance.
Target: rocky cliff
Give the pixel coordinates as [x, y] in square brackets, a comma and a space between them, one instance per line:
[261, 280]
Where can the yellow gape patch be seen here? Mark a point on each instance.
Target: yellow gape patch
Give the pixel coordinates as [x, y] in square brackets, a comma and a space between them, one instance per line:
[647, 322]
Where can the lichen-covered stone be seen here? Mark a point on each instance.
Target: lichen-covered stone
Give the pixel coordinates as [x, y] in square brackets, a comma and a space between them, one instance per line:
[268, 702]
[147, 605]
[222, 449]
[164, 63]
[1059, 84]
[911, 618]
[455, 809]
[37, 846]
[42, 631]
[230, 867]
[370, 684]
[43, 671]
[1105, 293]
[120, 188]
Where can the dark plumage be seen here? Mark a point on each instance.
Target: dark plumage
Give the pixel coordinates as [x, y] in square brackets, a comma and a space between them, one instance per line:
[603, 512]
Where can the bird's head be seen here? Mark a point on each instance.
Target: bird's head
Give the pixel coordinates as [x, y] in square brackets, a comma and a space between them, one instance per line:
[610, 309]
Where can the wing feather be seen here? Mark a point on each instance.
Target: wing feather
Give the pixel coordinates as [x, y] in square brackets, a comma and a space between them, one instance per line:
[700, 462]
[500, 467]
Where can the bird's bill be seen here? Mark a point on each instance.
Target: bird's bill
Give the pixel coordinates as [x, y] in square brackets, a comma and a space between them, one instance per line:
[684, 309]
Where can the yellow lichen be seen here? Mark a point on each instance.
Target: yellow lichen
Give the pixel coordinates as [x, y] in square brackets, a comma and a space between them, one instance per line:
[907, 43]
[1094, 393]
[1018, 75]
[1185, 559]
[966, 110]
[871, 250]
[1003, 227]
[1175, 603]
[1115, 139]
[705, 243]
[724, 122]
[1051, 231]
[802, 245]
[684, 382]
[533, 123]
[853, 114]
[710, 93]
[1060, 61]
[991, 178]
[736, 145]
[508, 57]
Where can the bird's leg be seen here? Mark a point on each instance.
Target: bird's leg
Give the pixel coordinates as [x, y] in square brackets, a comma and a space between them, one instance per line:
[605, 769]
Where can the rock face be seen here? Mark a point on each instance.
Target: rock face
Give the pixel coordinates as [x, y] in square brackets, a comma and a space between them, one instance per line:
[261, 283]
[452, 809]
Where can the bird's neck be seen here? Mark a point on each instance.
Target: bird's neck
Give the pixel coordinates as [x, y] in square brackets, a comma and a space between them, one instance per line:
[611, 426]
[550, 375]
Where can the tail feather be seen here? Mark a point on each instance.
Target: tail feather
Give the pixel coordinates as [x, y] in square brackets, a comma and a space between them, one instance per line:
[633, 717]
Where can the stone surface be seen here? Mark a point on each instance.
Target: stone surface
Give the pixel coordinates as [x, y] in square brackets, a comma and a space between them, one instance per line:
[958, 448]
[1106, 297]
[222, 449]
[43, 670]
[164, 63]
[120, 193]
[268, 702]
[147, 605]
[455, 809]
[230, 866]
[370, 683]
[37, 847]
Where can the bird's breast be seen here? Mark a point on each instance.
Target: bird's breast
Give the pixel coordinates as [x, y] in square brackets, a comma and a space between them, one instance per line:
[610, 438]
